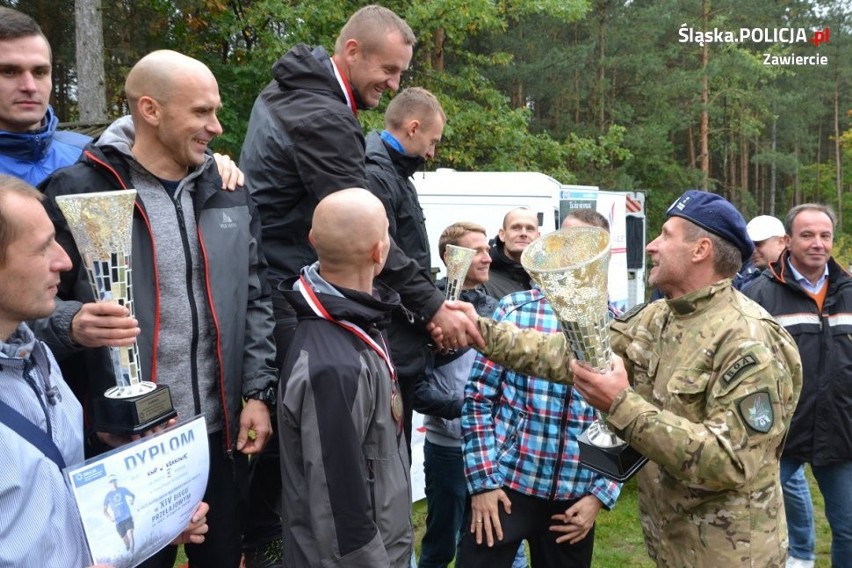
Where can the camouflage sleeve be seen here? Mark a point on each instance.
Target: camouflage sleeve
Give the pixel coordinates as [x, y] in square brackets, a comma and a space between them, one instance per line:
[720, 423]
[527, 351]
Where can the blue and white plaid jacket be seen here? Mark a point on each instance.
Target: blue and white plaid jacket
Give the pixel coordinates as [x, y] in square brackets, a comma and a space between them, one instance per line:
[520, 432]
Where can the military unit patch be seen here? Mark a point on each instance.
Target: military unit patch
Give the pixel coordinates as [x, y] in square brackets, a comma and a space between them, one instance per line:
[738, 367]
[631, 312]
[756, 411]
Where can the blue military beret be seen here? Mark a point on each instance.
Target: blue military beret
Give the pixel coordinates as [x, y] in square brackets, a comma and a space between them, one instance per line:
[714, 213]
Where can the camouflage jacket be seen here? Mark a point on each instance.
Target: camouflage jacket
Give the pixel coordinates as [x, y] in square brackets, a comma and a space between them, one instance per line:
[714, 382]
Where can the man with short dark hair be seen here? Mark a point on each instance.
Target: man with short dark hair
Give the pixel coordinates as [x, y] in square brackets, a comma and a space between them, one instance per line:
[706, 390]
[31, 146]
[41, 423]
[811, 296]
[440, 395]
[304, 142]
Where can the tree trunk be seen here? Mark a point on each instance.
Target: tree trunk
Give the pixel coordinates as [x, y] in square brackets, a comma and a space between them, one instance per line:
[91, 88]
[838, 169]
[772, 168]
[704, 132]
[602, 15]
[690, 145]
[744, 185]
[438, 50]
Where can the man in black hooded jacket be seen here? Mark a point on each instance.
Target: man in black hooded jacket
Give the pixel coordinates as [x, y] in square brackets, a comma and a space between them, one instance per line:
[304, 142]
[414, 122]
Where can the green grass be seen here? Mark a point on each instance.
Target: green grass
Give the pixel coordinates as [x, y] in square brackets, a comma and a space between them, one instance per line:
[618, 535]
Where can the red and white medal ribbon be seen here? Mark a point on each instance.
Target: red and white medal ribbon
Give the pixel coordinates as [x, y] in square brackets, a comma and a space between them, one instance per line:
[317, 307]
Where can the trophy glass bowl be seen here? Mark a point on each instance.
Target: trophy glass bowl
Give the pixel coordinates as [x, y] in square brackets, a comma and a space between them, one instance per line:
[101, 224]
[570, 266]
[458, 261]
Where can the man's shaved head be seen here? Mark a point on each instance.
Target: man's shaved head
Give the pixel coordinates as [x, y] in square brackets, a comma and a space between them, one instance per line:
[157, 74]
[347, 225]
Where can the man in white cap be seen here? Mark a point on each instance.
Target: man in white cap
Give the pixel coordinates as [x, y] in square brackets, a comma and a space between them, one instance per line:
[768, 235]
[769, 238]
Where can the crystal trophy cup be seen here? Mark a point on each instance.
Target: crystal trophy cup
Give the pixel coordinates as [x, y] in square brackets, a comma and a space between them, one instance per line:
[570, 266]
[101, 226]
[458, 261]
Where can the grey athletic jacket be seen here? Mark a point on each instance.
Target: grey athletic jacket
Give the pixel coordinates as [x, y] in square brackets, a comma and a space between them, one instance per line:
[344, 463]
[228, 327]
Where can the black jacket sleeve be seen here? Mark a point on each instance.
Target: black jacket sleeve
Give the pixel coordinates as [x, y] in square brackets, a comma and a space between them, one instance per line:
[414, 285]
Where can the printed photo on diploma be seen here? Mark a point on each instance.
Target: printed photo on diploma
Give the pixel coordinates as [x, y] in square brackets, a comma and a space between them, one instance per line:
[136, 499]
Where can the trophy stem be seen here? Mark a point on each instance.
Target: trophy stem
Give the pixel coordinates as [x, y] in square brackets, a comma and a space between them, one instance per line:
[600, 434]
[130, 391]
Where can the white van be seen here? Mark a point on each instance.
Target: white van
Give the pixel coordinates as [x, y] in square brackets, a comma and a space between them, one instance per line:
[448, 196]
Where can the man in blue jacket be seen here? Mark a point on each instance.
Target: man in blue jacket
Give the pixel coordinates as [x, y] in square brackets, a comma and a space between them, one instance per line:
[31, 147]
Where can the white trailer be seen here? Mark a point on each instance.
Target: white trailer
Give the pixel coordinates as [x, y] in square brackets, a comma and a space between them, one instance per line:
[448, 196]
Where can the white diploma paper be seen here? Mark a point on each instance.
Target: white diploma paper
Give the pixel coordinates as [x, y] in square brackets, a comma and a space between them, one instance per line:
[157, 481]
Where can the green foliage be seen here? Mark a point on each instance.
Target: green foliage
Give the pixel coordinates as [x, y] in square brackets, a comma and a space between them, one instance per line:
[597, 92]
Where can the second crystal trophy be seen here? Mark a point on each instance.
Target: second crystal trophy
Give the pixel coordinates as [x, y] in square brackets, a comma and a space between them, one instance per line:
[101, 224]
[458, 261]
[570, 266]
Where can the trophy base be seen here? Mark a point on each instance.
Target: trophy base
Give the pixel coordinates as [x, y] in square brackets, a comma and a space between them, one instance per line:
[134, 414]
[618, 463]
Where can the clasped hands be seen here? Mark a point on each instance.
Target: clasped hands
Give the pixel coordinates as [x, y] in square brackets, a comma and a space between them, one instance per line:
[454, 326]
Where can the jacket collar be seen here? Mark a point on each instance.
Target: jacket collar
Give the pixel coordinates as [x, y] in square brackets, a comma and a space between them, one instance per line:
[33, 145]
[309, 69]
[113, 150]
[21, 351]
[780, 271]
[364, 310]
[19, 345]
[381, 152]
[699, 300]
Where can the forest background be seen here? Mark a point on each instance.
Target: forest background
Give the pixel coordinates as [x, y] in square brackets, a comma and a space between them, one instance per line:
[620, 94]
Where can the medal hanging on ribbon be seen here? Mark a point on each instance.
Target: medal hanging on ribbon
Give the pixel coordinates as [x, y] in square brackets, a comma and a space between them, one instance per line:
[382, 350]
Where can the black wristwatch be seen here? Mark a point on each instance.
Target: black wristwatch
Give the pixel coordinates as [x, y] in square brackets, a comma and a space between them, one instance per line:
[269, 396]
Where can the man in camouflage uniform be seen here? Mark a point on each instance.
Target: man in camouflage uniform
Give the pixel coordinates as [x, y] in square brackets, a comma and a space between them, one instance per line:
[713, 382]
